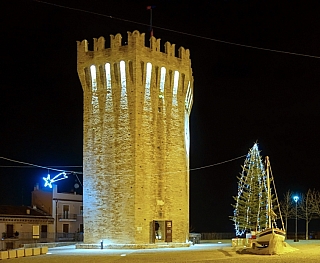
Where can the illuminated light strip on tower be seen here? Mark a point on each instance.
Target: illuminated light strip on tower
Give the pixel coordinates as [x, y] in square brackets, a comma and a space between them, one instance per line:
[49, 181]
[93, 78]
[175, 88]
[94, 101]
[187, 132]
[124, 100]
[188, 99]
[162, 80]
[109, 103]
[147, 96]
[108, 76]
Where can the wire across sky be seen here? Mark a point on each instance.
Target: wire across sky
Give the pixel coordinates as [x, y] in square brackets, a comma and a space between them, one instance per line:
[176, 31]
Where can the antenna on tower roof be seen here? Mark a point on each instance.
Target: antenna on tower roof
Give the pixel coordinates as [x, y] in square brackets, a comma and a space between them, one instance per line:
[150, 7]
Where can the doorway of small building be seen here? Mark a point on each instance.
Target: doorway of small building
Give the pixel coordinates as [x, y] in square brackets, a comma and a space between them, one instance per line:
[44, 231]
[65, 230]
[162, 231]
[9, 230]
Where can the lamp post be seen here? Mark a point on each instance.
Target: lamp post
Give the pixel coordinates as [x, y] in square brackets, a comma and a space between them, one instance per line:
[296, 199]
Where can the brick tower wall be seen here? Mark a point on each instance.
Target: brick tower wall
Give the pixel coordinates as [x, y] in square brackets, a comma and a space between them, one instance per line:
[137, 102]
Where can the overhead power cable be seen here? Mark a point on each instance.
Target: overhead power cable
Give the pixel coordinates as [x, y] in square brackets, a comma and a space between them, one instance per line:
[58, 170]
[26, 166]
[44, 167]
[207, 166]
[39, 166]
[178, 32]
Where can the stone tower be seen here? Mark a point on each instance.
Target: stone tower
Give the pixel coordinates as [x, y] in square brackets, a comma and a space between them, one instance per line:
[137, 102]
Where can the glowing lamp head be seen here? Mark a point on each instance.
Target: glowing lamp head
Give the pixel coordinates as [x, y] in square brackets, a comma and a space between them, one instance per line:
[296, 198]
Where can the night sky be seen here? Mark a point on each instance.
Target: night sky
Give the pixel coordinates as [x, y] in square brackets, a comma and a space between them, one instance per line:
[241, 94]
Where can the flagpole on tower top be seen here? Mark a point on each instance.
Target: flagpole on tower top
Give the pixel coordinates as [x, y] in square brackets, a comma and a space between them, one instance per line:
[150, 29]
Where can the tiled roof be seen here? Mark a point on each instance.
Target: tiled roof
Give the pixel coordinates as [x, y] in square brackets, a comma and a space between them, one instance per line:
[10, 210]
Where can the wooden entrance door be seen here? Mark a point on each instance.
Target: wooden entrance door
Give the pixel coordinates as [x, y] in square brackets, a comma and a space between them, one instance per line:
[65, 230]
[168, 227]
[44, 231]
[9, 230]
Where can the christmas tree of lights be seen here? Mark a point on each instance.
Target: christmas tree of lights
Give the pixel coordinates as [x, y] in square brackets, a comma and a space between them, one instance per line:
[251, 207]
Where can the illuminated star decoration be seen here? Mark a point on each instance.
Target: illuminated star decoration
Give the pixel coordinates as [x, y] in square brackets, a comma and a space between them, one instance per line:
[49, 181]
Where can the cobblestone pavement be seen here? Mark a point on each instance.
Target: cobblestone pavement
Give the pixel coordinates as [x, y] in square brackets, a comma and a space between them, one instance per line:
[307, 251]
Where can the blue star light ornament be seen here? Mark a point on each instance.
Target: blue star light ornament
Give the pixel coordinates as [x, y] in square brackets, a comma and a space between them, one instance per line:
[49, 181]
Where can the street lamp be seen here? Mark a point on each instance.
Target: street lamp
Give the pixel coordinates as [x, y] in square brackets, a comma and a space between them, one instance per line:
[296, 199]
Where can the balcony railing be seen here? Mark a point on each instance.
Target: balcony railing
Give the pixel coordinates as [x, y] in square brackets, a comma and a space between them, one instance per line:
[67, 217]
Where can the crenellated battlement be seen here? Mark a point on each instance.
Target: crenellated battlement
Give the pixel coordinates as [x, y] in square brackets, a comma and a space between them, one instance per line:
[82, 46]
[135, 39]
[152, 72]
[115, 41]
[155, 44]
[99, 44]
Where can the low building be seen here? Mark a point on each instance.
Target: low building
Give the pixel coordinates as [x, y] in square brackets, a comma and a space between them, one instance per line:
[23, 224]
[66, 210]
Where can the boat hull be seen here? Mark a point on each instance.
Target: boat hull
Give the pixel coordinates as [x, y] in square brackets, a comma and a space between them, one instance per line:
[264, 237]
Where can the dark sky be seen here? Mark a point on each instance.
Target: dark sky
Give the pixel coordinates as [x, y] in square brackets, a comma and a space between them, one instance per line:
[241, 95]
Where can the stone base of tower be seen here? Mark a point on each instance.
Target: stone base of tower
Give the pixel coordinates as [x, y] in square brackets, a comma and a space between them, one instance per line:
[132, 246]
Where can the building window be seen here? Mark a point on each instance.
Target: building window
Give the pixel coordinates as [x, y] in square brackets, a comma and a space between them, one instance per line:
[81, 210]
[65, 212]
